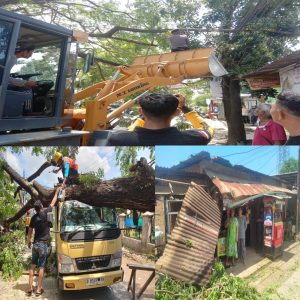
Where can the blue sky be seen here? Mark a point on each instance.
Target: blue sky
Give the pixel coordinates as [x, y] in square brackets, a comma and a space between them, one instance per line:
[263, 159]
[88, 159]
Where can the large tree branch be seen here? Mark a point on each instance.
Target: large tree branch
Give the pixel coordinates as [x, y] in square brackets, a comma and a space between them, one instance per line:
[37, 173]
[134, 192]
[19, 214]
[23, 183]
[98, 59]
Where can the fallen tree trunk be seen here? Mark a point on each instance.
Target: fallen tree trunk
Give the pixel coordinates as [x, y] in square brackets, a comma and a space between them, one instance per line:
[134, 192]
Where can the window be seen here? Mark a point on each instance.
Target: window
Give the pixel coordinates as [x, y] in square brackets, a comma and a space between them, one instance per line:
[6, 29]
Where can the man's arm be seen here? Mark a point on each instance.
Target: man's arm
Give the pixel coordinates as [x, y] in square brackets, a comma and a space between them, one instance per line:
[54, 200]
[66, 173]
[196, 120]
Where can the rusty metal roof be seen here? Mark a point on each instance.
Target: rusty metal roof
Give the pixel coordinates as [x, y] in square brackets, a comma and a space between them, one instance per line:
[275, 66]
[189, 253]
[236, 191]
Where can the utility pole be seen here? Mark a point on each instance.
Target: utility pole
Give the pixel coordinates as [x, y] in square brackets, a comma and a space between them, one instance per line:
[298, 194]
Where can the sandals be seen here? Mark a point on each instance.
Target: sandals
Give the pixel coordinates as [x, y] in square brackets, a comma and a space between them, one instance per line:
[29, 293]
[37, 294]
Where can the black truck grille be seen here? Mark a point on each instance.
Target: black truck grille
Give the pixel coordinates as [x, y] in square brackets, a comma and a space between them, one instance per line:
[93, 262]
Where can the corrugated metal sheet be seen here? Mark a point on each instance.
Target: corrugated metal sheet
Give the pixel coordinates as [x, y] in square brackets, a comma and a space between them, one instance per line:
[236, 191]
[189, 253]
[275, 66]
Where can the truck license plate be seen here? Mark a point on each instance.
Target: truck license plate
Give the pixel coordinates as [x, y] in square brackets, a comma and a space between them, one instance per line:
[95, 281]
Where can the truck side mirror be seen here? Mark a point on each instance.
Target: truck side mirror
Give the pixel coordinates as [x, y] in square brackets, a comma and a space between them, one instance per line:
[88, 62]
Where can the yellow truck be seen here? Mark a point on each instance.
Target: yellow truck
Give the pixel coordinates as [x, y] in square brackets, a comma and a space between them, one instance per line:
[88, 246]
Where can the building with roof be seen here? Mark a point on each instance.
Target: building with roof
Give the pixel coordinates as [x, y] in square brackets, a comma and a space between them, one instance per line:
[284, 73]
[198, 193]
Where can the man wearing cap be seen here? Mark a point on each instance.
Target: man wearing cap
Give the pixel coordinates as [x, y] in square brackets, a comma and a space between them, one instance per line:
[286, 112]
[23, 50]
[178, 41]
[40, 243]
[68, 167]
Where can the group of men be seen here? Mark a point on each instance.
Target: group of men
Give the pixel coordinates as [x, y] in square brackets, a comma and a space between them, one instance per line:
[39, 222]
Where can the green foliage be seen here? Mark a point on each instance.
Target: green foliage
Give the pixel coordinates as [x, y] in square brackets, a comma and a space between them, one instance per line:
[8, 204]
[51, 265]
[290, 165]
[128, 156]
[188, 243]
[221, 286]
[89, 180]
[11, 254]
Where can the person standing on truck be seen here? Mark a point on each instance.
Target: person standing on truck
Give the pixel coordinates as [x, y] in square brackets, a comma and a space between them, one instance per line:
[68, 167]
[23, 50]
[178, 41]
[158, 110]
[41, 228]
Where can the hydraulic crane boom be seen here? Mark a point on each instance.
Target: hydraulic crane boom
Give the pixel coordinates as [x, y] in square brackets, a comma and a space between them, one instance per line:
[146, 73]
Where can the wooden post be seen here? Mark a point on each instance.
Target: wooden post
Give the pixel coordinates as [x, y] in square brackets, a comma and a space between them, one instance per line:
[122, 222]
[146, 229]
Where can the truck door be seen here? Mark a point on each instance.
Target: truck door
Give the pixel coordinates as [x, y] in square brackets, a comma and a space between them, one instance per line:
[9, 29]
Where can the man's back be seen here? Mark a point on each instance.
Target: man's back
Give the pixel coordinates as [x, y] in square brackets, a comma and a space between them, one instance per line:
[178, 41]
[40, 224]
[151, 137]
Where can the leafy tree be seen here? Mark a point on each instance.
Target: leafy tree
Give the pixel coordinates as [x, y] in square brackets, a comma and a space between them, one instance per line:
[245, 34]
[258, 32]
[290, 165]
[128, 156]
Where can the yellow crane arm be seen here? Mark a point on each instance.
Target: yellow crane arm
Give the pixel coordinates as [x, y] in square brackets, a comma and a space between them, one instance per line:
[146, 73]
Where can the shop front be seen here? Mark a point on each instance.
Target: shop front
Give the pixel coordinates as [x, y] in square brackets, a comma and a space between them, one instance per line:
[267, 210]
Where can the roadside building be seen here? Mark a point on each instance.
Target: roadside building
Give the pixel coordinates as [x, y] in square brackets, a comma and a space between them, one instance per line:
[224, 186]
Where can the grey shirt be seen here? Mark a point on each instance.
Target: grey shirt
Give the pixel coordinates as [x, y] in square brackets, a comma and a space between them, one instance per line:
[242, 226]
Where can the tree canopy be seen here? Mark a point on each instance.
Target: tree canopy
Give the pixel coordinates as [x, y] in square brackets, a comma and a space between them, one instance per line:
[290, 165]
[246, 34]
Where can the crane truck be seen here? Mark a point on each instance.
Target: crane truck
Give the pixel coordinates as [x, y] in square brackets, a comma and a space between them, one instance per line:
[54, 111]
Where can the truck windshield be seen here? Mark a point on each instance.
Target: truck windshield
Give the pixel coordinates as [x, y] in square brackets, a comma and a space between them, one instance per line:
[76, 217]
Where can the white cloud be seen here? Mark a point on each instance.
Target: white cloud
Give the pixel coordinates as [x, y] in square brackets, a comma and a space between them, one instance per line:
[90, 159]
[28, 164]
[13, 161]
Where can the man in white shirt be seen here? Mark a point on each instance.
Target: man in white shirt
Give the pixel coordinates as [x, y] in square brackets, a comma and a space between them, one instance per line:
[23, 50]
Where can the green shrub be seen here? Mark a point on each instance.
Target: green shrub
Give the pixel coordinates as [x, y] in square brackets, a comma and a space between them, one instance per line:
[12, 248]
[221, 286]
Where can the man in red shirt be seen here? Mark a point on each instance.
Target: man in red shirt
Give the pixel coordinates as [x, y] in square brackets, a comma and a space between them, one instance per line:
[267, 131]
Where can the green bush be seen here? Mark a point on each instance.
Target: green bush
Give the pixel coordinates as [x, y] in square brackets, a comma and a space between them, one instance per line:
[221, 286]
[12, 248]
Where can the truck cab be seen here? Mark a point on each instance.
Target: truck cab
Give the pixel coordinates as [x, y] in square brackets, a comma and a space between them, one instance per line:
[52, 66]
[88, 246]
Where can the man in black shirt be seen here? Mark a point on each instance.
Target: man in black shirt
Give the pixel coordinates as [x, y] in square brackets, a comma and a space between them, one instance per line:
[40, 243]
[286, 112]
[158, 110]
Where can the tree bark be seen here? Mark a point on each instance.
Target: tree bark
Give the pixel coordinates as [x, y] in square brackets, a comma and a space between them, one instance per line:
[134, 192]
[233, 110]
[36, 174]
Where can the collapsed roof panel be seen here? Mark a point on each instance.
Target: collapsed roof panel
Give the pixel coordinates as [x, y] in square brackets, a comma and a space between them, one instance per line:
[189, 253]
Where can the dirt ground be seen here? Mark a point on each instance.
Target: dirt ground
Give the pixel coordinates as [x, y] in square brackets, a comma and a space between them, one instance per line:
[221, 131]
[279, 278]
[15, 290]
